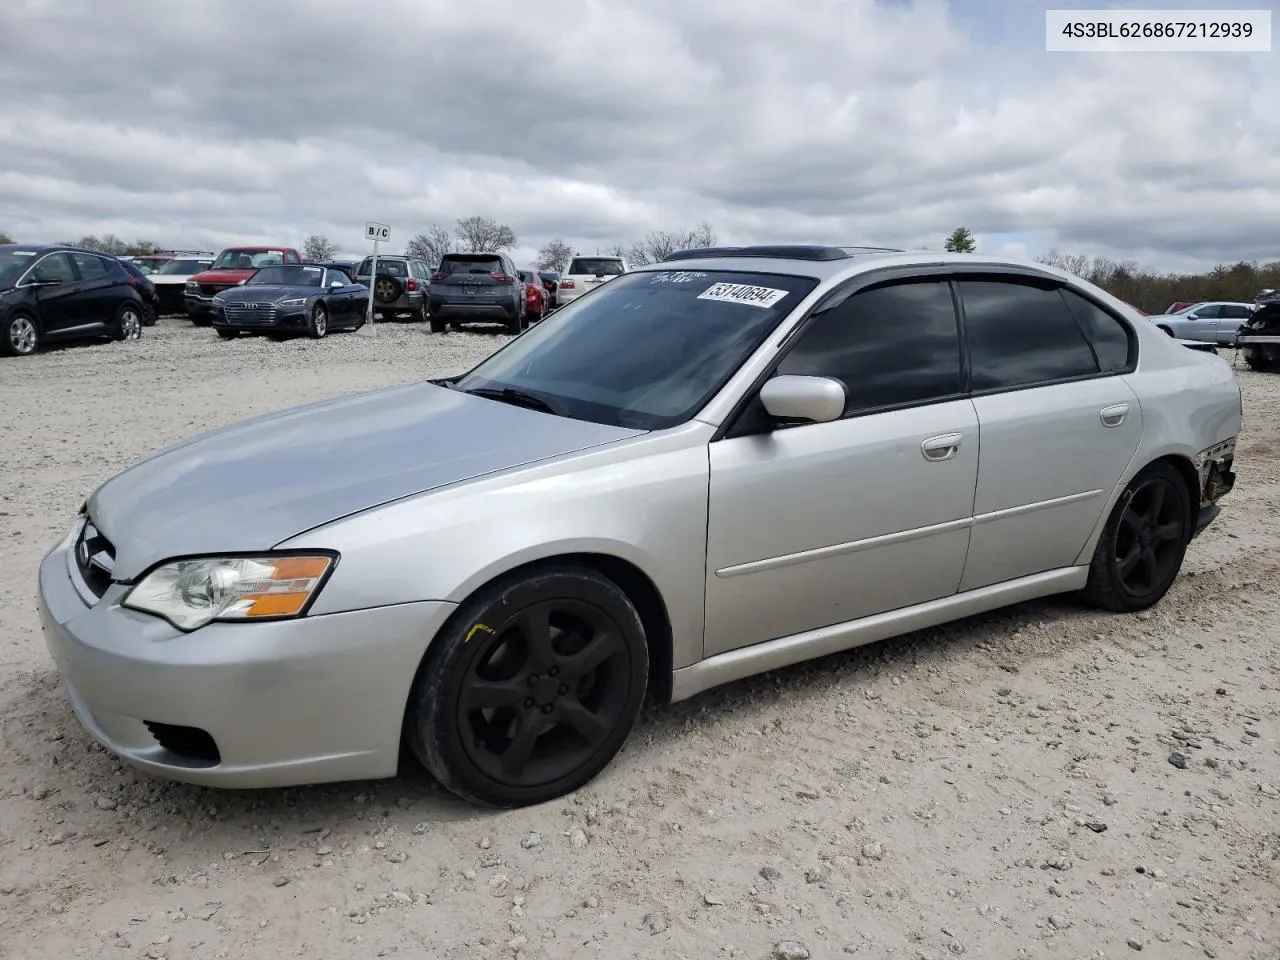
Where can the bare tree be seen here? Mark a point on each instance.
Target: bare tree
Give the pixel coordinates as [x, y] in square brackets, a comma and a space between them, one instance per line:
[432, 245]
[660, 244]
[319, 247]
[554, 255]
[482, 235]
[109, 243]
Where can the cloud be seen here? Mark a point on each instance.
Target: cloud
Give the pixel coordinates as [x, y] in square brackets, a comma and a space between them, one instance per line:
[823, 120]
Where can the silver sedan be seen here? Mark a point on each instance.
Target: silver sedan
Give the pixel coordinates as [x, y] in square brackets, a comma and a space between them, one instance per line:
[706, 468]
[1210, 322]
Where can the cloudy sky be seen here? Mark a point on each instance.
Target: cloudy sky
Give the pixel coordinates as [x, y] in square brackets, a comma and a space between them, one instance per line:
[210, 122]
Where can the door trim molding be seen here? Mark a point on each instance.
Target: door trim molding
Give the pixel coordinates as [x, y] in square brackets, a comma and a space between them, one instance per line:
[785, 651]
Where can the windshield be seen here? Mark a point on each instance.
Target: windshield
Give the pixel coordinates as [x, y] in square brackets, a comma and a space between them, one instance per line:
[13, 260]
[608, 266]
[386, 268]
[247, 259]
[647, 350]
[183, 268]
[287, 276]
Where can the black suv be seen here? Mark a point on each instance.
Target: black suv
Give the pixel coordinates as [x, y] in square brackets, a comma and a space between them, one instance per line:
[477, 288]
[58, 292]
[399, 287]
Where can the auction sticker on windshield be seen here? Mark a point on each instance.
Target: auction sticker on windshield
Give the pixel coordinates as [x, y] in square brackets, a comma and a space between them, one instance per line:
[742, 293]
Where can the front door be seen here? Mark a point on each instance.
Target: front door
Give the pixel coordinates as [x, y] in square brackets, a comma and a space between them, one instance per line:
[822, 523]
[62, 308]
[1058, 423]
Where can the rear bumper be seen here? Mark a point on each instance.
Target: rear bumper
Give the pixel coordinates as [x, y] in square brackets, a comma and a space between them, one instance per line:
[461, 312]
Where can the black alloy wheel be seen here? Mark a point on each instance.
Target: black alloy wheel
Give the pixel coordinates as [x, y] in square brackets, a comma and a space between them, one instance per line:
[1142, 546]
[531, 689]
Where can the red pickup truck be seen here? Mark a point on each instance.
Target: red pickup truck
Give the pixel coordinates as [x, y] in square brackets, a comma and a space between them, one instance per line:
[230, 268]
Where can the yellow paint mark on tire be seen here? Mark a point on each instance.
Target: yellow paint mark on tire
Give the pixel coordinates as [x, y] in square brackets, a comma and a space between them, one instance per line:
[479, 627]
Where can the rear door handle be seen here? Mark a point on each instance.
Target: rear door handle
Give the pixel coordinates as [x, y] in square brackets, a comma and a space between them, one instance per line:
[938, 449]
[1113, 415]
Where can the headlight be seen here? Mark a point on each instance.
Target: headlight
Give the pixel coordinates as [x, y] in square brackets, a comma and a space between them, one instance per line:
[219, 300]
[293, 302]
[191, 593]
[192, 287]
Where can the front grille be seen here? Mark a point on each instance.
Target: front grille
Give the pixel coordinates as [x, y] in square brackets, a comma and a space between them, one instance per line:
[190, 742]
[95, 559]
[250, 312]
[209, 289]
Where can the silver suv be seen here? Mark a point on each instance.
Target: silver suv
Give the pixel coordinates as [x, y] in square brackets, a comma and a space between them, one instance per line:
[399, 288]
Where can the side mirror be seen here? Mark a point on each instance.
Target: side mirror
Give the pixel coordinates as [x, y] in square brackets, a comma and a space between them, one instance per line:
[808, 399]
[336, 284]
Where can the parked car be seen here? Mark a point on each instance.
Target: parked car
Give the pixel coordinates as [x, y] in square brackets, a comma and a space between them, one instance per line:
[146, 292]
[1212, 322]
[346, 266]
[704, 470]
[400, 287]
[585, 274]
[149, 263]
[537, 298]
[57, 292]
[1259, 338]
[291, 300]
[477, 287]
[171, 279]
[231, 267]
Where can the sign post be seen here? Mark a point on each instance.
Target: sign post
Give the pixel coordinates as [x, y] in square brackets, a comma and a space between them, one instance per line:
[379, 233]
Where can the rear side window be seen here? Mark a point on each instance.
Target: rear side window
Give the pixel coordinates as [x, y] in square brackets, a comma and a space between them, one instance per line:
[90, 267]
[596, 265]
[1108, 335]
[478, 264]
[889, 346]
[1020, 335]
[1235, 311]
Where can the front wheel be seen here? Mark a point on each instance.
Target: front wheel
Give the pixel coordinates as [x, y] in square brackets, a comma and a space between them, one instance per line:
[1141, 548]
[531, 688]
[128, 325]
[318, 325]
[439, 326]
[21, 336]
[228, 334]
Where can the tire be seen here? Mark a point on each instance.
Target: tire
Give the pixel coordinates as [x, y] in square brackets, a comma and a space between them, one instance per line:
[201, 319]
[228, 334]
[149, 315]
[128, 324]
[1257, 361]
[482, 657]
[1149, 527]
[318, 322]
[21, 336]
[419, 313]
[514, 325]
[387, 289]
[439, 326]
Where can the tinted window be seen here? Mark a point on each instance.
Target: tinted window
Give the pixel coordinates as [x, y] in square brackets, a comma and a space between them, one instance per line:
[608, 266]
[892, 345]
[56, 266]
[453, 263]
[1210, 312]
[386, 268]
[1110, 337]
[90, 267]
[1021, 334]
[648, 349]
[288, 276]
[1235, 311]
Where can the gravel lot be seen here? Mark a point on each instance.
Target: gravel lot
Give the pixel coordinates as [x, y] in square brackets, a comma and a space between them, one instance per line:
[1000, 788]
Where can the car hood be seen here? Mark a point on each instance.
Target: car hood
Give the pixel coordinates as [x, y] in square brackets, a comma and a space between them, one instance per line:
[253, 484]
[267, 293]
[223, 276]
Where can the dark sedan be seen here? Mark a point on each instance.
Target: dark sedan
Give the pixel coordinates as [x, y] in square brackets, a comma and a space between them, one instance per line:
[291, 299]
[50, 293]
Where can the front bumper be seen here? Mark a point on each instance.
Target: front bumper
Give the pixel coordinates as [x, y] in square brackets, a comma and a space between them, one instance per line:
[283, 319]
[1214, 467]
[197, 306]
[289, 702]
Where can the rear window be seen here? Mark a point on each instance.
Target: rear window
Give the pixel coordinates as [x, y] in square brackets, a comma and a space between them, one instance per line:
[477, 264]
[386, 268]
[597, 265]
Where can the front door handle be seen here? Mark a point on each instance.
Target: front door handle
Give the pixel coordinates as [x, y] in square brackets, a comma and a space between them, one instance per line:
[1113, 415]
[941, 448]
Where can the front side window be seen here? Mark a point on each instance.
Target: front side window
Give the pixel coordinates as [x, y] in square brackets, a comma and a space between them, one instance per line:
[1021, 334]
[647, 350]
[889, 346]
[1209, 312]
[54, 268]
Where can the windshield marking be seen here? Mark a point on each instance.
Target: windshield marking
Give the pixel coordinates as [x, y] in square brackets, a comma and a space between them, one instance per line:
[743, 293]
[680, 276]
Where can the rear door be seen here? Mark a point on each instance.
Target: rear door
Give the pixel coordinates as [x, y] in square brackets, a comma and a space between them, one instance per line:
[473, 278]
[100, 293]
[1057, 422]
[1230, 319]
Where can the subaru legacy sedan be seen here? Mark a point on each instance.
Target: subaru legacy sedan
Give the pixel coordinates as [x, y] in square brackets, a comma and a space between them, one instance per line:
[712, 466]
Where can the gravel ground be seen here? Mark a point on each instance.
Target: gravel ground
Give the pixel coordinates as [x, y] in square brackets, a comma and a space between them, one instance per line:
[1010, 786]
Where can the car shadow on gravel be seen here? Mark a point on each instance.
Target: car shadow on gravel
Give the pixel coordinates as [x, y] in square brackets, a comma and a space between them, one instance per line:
[64, 758]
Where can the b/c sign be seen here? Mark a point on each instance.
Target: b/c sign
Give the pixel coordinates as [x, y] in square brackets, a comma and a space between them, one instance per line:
[377, 231]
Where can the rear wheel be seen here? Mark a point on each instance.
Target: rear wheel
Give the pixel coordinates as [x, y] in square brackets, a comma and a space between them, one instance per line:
[1141, 548]
[439, 326]
[531, 688]
[1258, 361]
[128, 325]
[21, 336]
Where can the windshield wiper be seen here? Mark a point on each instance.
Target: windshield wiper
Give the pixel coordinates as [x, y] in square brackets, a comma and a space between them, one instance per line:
[518, 398]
